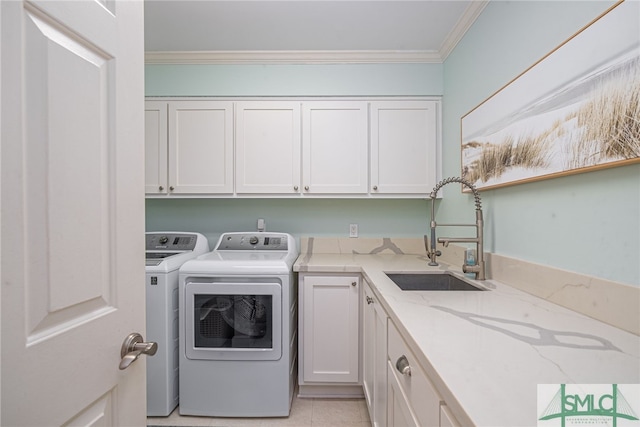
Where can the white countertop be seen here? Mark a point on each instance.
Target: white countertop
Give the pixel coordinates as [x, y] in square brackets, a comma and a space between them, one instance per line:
[486, 352]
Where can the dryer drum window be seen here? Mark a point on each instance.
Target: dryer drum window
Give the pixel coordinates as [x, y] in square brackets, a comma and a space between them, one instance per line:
[233, 321]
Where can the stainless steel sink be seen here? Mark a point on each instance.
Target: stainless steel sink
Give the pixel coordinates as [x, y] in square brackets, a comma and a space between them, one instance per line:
[431, 282]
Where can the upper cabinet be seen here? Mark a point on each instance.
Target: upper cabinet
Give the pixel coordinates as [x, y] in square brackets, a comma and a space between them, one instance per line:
[268, 147]
[189, 147]
[155, 136]
[404, 146]
[292, 148]
[334, 147]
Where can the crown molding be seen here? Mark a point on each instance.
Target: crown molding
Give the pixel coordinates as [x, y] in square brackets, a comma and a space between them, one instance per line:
[462, 26]
[326, 56]
[292, 57]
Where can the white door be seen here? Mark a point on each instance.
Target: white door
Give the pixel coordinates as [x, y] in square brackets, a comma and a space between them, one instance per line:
[268, 147]
[404, 141]
[329, 333]
[334, 147]
[156, 150]
[201, 147]
[72, 211]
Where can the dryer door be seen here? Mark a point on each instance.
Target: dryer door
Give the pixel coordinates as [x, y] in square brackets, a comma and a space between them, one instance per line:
[233, 321]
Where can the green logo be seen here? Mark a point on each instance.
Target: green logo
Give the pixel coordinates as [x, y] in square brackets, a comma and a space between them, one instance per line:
[588, 407]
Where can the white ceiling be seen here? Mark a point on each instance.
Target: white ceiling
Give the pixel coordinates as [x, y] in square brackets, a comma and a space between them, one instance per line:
[426, 29]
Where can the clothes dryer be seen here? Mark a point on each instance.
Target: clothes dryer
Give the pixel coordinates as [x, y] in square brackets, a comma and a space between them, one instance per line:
[238, 327]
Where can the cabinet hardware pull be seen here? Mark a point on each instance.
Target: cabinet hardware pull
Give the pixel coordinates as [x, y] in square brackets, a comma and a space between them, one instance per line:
[369, 300]
[375, 188]
[161, 188]
[402, 365]
[306, 188]
[171, 188]
[295, 187]
[354, 283]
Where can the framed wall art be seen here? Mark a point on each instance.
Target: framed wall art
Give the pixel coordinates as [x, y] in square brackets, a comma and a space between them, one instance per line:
[575, 110]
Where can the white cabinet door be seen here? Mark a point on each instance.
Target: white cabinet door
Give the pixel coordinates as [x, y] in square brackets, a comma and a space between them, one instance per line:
[379, 417]
[404, 139]
[72, 221]
[374, 357]
[155, 142]
[330, 329]
[200, 147]
[368, 348]
[268, 147]
[334, 147]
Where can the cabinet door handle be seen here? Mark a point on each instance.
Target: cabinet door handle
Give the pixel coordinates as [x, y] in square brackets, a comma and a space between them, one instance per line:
[354, 283]
[369, 300]
[375, 188]
[161, 188]
[171, 188]
[402, 365]
[295, 188]
[306, 188]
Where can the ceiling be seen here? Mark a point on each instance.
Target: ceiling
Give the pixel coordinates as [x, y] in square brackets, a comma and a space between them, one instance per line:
[425, 30]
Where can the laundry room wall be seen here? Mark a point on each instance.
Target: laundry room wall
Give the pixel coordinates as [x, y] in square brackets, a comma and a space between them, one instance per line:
[293, 80]
[585, 223]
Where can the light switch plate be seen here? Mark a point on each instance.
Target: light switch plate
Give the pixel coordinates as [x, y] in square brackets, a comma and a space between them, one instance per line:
[353, 230]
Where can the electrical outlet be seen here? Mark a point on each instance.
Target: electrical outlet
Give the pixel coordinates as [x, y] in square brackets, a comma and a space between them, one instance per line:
[353, 230]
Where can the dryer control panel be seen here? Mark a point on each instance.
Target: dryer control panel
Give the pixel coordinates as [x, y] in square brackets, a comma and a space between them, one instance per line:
[253, 242]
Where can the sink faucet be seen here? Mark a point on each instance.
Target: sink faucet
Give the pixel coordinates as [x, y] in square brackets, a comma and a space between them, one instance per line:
[478, 268]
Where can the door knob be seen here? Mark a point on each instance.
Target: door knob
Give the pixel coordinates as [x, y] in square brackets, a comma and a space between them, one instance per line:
[132, 347]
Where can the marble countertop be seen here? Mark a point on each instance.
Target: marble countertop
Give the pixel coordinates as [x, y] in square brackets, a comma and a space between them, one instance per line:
[486, 352]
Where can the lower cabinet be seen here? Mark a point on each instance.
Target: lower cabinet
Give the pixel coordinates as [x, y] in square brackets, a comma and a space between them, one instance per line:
[348, 346]
[329, 343]
[374, 356]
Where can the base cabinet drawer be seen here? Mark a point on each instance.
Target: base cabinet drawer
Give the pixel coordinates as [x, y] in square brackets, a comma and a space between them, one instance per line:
[399, 414]
[421, 397]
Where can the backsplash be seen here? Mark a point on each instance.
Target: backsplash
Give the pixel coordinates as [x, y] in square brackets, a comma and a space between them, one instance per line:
[614, 303]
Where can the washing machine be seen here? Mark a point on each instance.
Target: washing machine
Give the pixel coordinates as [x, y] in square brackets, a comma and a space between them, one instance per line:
[238, 327]
[165, 253]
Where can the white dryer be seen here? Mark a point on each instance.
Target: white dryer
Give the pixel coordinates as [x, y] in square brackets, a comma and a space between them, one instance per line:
[165, 253]
[238, 327]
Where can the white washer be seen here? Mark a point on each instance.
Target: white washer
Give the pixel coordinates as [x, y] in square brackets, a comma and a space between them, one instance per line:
[165, 253]
[238, 325]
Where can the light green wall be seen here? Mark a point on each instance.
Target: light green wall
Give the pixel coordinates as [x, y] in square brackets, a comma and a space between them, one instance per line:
[293, 80]
[588, 223]
[318, 217]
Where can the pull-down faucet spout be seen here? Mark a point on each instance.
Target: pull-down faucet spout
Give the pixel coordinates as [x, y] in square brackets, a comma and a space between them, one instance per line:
[433, 253]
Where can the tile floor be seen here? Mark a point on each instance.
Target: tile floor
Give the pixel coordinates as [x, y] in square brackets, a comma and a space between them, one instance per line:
[304, 413]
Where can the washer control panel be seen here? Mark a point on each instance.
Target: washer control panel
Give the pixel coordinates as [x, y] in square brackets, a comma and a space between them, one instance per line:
[170, 241]
[253, 242]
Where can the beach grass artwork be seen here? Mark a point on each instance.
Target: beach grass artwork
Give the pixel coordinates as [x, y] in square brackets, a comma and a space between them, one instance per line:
[575, 110]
